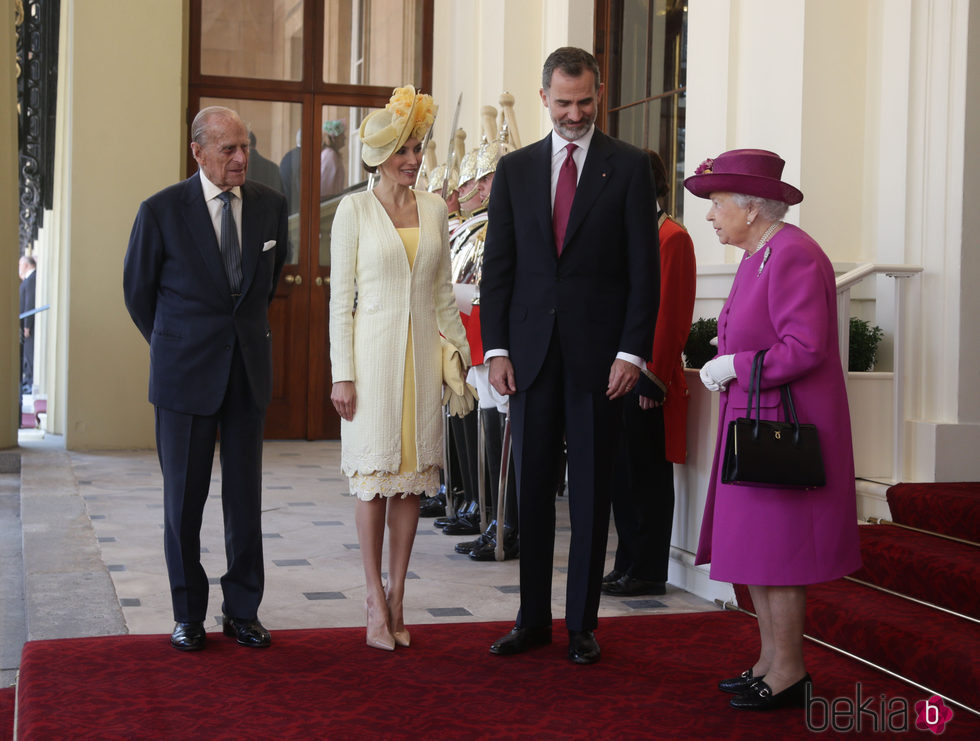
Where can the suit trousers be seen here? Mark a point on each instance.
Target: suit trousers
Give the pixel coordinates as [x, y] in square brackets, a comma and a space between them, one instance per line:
[643, 494]
[185, 445]
[551, 408]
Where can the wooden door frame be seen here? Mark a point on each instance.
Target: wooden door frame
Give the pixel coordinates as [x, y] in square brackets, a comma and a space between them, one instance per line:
[312, 93]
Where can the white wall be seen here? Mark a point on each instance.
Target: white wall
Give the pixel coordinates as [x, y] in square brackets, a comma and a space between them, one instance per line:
[483, 48]
[9, 253]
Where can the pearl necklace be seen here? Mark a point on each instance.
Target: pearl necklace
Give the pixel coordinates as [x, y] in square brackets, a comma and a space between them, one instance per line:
[763, 241]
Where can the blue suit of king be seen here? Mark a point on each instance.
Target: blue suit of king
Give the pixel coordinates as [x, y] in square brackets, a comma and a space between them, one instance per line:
[563, 319]
[210, 371]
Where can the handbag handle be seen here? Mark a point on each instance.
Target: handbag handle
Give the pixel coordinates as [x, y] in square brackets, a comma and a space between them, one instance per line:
[755, 389]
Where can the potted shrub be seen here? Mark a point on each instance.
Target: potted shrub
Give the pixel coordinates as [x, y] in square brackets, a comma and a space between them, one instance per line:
[699, 349]
[863, 342]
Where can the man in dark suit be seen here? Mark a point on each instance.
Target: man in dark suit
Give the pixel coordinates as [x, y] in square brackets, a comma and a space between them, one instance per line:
[261, 169]
[568, 302]
[203, 261]
[27, 268]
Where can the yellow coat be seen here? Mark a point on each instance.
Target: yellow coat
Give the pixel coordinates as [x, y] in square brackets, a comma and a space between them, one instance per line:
[368, 346]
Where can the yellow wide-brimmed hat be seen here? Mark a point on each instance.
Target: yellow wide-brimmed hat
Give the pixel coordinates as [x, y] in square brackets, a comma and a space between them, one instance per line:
[408, 113]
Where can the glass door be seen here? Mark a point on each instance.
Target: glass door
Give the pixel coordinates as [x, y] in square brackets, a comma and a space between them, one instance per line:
[303, 74]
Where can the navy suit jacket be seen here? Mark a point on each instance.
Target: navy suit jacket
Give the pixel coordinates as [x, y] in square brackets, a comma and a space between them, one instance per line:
[602, 293]
[178, 294]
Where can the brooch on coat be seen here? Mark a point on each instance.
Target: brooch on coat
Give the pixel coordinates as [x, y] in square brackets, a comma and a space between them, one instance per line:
[765, 256]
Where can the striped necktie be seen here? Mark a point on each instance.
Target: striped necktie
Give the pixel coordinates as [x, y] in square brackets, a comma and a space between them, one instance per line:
[231, 252]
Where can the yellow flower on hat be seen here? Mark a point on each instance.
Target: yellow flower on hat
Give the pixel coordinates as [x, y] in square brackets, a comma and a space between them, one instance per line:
[425, 115]
[400, 107]
[400, 103]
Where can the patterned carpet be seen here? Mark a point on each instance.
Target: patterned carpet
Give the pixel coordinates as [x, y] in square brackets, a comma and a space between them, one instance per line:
[656, 679]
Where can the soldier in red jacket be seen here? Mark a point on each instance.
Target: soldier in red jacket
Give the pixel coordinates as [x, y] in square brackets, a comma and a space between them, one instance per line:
[655, 422]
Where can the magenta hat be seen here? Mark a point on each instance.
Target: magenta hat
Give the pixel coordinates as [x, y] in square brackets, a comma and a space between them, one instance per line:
[754, 172]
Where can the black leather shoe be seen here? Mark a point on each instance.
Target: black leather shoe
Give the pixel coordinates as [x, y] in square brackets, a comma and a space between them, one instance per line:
[249, 633]
[188, 636]
[464, 526]
[760, 697]
[468, 546]
[488, 551]
[432, 507]
[614, 575]
[738, 685]
[628, 586]
[520, 640]
[582, 647]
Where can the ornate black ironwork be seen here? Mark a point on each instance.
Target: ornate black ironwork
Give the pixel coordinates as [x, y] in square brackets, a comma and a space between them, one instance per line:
[37, 91]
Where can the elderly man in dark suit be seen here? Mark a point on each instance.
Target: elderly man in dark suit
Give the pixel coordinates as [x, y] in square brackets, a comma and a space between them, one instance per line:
[203, 261]
[568, 301]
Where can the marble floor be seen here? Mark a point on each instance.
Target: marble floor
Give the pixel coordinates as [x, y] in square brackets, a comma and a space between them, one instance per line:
[313, 568]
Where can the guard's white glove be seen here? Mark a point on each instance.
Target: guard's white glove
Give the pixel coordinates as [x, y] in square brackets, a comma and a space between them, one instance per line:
[717, 372]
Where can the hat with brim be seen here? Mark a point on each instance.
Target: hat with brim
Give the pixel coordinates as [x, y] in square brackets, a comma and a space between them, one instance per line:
[754, 172]
[385, 131]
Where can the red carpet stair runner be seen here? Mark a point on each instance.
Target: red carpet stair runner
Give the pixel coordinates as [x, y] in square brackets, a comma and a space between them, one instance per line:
[924, 643]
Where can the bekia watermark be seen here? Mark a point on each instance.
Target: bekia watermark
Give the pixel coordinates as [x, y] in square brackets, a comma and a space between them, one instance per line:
[880, 714]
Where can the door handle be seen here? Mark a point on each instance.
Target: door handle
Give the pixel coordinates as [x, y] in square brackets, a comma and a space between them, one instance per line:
[294, 279]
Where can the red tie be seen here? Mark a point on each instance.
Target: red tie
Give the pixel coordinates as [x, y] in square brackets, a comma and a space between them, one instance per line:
[564, 195]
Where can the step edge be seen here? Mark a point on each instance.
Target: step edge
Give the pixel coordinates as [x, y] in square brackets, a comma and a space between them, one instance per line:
[916, 600]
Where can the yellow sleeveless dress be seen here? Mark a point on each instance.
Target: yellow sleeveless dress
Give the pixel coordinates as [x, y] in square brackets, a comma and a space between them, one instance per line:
[408, 480]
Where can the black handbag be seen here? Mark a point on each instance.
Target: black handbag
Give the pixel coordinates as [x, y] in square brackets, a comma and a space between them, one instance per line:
[762, 452]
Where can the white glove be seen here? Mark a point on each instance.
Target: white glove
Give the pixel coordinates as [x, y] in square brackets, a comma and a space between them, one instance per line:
[717, 372]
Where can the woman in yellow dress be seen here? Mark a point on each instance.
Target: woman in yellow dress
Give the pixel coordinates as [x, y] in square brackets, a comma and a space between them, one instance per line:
[391, 299]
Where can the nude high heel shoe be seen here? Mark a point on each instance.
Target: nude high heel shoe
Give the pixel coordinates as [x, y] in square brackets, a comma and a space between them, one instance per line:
[398, 631]
[378, 634]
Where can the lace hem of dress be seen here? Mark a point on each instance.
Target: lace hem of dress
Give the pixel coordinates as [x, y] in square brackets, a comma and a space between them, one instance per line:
[367, 486]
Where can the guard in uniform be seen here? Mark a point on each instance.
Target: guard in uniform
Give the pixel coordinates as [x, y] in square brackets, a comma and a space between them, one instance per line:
[655, 422]
[468, 518]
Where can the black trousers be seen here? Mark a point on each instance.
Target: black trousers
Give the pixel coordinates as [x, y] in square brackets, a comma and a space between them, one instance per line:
[463, 432]
[185, 445]
[550, 409]
[643, 495]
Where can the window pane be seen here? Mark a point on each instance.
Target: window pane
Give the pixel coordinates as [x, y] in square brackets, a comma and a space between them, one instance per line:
[341, 171]
[259, 39]
[274, 157]
[372, 42]
[650, 62]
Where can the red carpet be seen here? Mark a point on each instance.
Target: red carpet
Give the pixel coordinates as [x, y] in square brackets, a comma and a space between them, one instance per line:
[933, 648]
[949, 508]
[7, 696]
[939, 571]
[656, 679]
[915, 640]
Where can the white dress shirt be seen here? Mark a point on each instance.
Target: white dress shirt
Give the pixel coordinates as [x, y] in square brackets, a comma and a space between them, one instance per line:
[215, 204]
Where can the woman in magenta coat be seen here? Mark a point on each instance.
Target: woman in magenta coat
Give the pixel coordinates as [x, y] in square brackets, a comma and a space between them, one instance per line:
[784, 301]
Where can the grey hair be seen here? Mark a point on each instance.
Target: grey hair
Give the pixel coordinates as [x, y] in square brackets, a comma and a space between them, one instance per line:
[769, 209]
[572, 61]
[202, 121]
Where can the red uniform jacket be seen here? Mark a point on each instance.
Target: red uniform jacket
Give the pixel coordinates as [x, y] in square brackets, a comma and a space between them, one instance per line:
[678, 279]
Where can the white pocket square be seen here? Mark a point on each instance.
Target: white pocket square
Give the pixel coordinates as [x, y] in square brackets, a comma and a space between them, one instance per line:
[268, 245]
